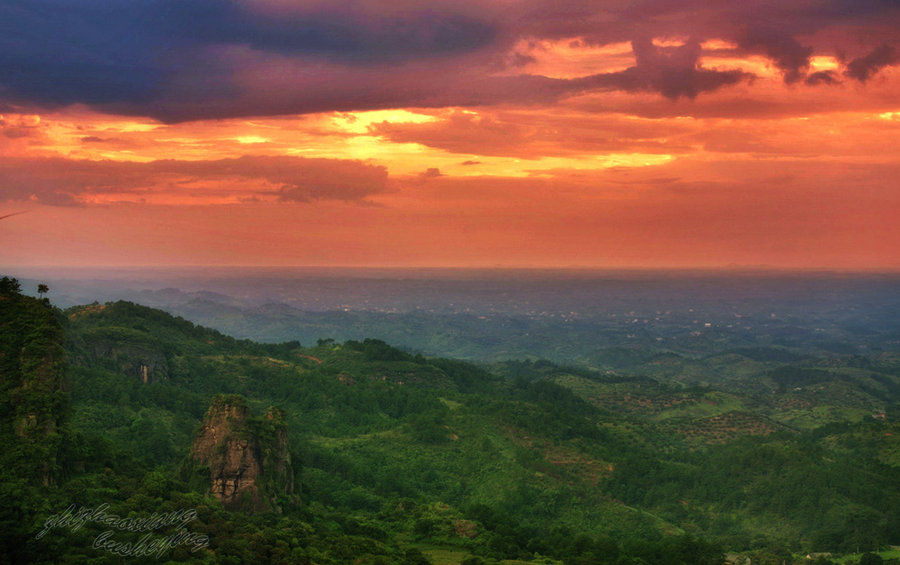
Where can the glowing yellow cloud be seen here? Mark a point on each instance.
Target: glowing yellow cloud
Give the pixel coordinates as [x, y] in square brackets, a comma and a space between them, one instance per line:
[758, 65]
[251, 139]
[820, 63]
[359, 122]
[718, 45]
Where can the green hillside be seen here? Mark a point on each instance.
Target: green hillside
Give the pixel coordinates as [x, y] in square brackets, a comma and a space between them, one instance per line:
[400, 458]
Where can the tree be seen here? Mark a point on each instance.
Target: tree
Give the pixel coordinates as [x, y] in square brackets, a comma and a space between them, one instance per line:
[43, 289]
[9, 286]
[870, 559]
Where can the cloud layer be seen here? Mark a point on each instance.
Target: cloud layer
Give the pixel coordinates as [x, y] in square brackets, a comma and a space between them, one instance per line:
[450, 132]
[58, 181]
[179, 60]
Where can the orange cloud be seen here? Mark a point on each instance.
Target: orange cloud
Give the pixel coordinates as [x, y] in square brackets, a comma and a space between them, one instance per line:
[534, 132]
[777, 212]
[69, 182]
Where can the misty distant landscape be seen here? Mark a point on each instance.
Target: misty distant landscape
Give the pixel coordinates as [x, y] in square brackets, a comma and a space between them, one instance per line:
[590, 318]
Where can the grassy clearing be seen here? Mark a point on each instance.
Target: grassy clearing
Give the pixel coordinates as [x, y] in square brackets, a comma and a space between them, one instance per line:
[710, 404]
[818, 416]
[443, 555]
[853, 558]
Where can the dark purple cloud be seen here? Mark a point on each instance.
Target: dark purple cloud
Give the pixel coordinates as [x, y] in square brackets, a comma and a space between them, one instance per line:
[863, 68]
[137, 53]
[178, 60]
[337, 33]
[822, 77]
[673, 72]
[783, 49]
[431, 173]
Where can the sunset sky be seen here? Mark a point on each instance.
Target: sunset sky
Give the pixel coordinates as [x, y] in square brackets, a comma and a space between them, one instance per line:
[543, 133]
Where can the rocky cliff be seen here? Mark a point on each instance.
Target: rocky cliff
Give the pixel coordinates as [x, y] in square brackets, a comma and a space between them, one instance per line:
[130, 352]
[245, 460]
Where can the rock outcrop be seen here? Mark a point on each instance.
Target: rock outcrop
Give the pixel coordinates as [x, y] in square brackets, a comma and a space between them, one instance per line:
[245, 460]
[127, 351]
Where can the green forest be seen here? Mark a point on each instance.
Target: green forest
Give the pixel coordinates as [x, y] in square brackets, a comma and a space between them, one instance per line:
[124, 425]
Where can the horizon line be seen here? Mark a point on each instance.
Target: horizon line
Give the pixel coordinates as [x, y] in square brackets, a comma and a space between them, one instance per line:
[573, 268]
